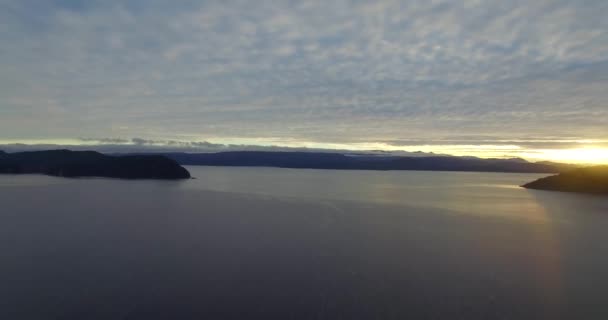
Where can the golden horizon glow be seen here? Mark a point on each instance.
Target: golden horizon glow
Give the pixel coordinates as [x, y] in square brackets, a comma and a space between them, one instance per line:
[589, 154]
[574, 155]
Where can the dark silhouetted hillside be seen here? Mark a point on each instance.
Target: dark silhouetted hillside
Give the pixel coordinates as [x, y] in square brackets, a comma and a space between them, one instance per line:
[586, 180]
[65, 163]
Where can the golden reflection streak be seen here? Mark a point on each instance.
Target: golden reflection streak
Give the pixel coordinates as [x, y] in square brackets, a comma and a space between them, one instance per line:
[548, 261]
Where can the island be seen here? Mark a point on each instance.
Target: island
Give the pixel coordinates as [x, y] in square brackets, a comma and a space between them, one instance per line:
[66, 163]
[585, 180]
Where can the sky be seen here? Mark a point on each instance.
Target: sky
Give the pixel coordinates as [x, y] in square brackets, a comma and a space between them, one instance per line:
[488, 78]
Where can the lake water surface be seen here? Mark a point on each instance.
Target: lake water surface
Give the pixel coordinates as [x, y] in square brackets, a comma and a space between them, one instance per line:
[268, 243]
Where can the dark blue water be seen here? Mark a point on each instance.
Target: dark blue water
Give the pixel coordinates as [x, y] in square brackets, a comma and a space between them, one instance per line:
[261, 243]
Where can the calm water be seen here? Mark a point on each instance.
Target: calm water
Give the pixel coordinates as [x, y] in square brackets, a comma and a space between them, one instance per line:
[265, 243]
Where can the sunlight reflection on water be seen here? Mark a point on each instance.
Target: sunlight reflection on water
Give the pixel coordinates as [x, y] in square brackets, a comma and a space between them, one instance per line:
[465, 192]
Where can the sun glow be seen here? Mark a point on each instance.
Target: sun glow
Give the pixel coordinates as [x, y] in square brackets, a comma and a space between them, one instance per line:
[577, 155]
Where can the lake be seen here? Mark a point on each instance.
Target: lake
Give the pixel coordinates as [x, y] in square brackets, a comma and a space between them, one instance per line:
[269, 243]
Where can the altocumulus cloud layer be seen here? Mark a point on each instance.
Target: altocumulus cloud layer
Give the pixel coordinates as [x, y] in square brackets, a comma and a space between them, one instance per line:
[514, 74]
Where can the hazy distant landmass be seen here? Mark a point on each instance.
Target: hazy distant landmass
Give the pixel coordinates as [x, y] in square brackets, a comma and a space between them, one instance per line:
[325, 160]
[586, 180]
[65, 163]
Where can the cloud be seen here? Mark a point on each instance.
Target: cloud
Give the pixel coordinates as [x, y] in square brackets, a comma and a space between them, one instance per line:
[329, 72]
[139, 145]
[106, 140]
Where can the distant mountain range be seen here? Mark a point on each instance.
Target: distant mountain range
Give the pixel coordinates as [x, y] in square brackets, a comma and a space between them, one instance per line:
[356, 161]
[167, 165]
[65, 163]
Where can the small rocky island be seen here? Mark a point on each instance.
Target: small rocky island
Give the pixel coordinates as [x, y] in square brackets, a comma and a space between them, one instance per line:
[66, 163]
[586, 180]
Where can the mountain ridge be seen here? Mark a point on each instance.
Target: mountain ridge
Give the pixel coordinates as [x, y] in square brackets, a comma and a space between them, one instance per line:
[357, 161]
